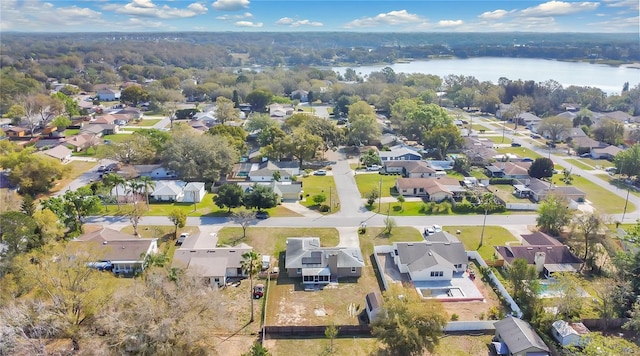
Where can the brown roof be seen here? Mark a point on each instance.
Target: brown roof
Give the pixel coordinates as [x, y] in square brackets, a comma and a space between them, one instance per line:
[584, 142]
[553, 254]
[59, 152]
[540, 239]
[513, 168]
[112, 245]
[430, 185]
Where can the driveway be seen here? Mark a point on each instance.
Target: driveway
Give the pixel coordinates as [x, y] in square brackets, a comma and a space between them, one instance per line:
[350, 199]
[349, 236]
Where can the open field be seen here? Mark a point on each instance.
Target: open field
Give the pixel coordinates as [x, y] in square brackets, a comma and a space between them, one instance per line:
[272, 241]
[520, 151]
[145, 122]
[371, 181]
[493, 236]
[314, 185]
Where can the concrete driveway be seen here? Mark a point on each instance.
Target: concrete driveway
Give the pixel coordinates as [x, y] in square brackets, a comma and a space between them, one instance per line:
[349, 236]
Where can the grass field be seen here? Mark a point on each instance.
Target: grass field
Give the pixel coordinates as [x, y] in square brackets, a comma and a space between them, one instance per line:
[375, 236]
[602, 199]
[71, 132]
[145, 122]
[314, 185]
[520, 151]
[371, 181]
[579, 164]
[116, 137]
[470, 238]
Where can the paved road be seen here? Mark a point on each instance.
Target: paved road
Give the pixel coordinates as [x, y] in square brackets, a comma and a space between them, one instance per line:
[350, 199]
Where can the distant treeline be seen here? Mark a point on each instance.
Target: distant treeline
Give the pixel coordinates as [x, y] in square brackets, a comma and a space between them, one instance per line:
[209, 50]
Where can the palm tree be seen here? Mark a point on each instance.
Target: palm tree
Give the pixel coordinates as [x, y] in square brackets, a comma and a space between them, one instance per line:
[147, 184]
[113, 180]
[487, 201]
[250, 265]
[134, 186]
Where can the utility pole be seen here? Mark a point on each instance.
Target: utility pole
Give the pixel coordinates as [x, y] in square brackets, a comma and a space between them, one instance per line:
[380, 195]
[330, 199]
[624, 212]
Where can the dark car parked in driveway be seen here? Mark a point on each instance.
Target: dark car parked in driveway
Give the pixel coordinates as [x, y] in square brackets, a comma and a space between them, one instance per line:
[262, 215]
[515, 144]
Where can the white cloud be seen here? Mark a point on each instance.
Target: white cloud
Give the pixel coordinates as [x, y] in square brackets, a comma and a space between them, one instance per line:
[227, 17]
[43, 16]
[248, 24]
[617, 24]
[393, 18]
[497, 14]
[140, 23]
[631, 4]
[450, 23]
[147, 8]
[558, 8]
[287, 21]
[230, 5]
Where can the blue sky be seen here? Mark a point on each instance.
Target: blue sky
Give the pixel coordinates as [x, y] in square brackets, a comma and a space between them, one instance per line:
[319, 15]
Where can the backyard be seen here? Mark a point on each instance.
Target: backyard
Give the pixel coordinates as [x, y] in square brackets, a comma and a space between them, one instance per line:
[493, 236]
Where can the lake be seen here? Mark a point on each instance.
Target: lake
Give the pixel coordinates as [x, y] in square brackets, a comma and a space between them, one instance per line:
[609, 79]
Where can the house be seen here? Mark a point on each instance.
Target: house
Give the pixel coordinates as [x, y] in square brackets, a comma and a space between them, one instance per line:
[401, 153]
[45, 144]
[570, 334]
[80, 142]
[100, 130]
[538, 190]
[126, 253]
[207, 118]
[511, 170]
[373, 303]
[193, 192]
[112, 119]
[286, 191]
[619, 116]
[583, 144]
[15, 131]
[280, 111]
[479, 151]
[434, 189]
[542, 251]
[301, 95]
[168, 190]
[263, 172]
[108, 94]
[437, 259]
[518, 338]
[304, 257]
[200, 256]
[129, 112]
[60, 152]
[607, 153]
[409, 169]
[155, 171]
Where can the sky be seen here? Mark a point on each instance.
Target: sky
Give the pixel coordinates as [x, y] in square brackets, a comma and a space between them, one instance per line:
[610, 16]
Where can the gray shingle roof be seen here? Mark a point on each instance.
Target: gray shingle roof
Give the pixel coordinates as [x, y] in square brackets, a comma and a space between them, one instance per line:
[518, 335]
[306, 252]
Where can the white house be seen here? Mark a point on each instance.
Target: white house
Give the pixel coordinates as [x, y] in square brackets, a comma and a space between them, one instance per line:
[401, 153]
[168, 190]
[570, 334]
[193, 192]
[436, 259]
[263, 172]
[108, 94]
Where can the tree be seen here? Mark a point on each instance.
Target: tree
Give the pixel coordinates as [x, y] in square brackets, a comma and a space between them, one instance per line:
[257, 350]
[250, 265]
[542, 167]
[571, 301]
[61, 122]
[199, 157]
[370, 158]
[259, 99]
[236, 135]
[487, 202]
[628, 161]
[259, 122]
[634, 318]
[364, 125]
[34, 174]
[244, 218]
[70, 105]
[260, 197]
[331, 332]
[147, 184]
[556, 127]
[553, 214]
[319, 198]
[401, 199]
[588, 225]
[229, 196]
[371, 197]
[419, 119]
[523, 278]
[112, 180]
[609, 131]
[443, 139]
[519, 105]
[134, 94]
[180, 312]
[72, 207]
[304, 144]
[179, 219]
[406, 324]
[389, 224]
[132, 149]
[135, 212]
[18, 231]
[49, 227]
[15, 112]
[606, 345]
[28, 206]
[566, 177]
[225, 110]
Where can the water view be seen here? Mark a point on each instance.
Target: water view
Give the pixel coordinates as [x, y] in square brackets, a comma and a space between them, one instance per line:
[608, 78]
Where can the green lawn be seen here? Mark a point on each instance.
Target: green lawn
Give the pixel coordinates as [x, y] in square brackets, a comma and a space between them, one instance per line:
[493, 236]
[272, 240]
[520, 151]
[71, 132]
[145, 122]
[603, 163]
[371, 181]
[579, 164]
[314, 185]
[602, 199]
[116, 137]
[375, 236]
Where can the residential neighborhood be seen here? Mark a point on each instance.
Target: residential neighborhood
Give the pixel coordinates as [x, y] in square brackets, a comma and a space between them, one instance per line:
[317, 213]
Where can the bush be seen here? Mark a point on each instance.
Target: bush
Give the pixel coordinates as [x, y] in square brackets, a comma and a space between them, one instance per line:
[497, 181]
[324, 208]
[455, 317]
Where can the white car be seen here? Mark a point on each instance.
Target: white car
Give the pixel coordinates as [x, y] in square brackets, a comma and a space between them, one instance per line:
[320, 172]
[182, 237]
[429, 231]
[437, 228]
[373, 167]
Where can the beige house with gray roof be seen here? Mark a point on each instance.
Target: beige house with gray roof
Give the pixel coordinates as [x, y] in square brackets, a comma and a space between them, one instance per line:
[306, 258]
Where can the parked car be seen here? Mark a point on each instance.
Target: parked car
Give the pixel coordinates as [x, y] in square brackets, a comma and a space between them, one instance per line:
[429, 231]
[437, 228]
[183, 236]
[585, 155]
[535, 135]
[101, 266]
[101, 169]
[515, 144]
[527, 159]
[262, 215]
[320, 172]
[373, 167]
[551, 144]
[258, 291]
